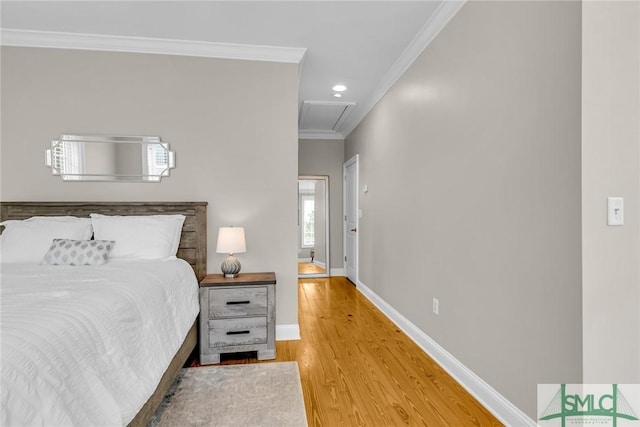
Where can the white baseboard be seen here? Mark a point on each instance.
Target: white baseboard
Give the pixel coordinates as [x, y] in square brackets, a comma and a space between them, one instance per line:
[304, 259]
[287, 332]
[496, 403]
[337, 272]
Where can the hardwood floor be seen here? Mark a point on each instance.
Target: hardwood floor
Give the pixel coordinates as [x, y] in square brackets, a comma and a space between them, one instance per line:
[309, 268]
[358, 369]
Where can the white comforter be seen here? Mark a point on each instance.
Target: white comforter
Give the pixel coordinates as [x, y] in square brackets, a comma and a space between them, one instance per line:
[87, 346]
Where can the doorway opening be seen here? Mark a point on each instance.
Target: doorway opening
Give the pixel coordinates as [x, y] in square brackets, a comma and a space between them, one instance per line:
[313, 226]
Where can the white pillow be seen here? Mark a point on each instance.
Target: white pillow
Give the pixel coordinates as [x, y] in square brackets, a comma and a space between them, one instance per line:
[140, 237]
[29, 240]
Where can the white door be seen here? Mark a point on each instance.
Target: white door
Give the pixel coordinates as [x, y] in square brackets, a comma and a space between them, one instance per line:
[351, 218]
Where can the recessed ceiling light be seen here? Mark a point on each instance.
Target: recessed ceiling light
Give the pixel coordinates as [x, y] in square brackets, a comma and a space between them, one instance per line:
[339, 88]
[337, 95]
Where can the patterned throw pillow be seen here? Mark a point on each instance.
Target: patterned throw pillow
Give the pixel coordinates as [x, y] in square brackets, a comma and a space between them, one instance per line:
[78, 252]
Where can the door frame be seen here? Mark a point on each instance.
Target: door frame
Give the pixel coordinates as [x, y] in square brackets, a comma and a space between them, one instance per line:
[353, 160]
[327, 224]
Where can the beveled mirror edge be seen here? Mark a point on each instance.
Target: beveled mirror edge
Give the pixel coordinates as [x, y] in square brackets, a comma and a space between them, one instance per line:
[111, 177]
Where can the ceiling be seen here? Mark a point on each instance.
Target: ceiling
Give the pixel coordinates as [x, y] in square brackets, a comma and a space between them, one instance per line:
[364, 45]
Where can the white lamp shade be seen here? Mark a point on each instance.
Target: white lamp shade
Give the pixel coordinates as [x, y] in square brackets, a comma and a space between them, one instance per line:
[231, 240]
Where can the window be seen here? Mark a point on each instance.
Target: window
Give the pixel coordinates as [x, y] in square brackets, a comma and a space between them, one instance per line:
[307, 213]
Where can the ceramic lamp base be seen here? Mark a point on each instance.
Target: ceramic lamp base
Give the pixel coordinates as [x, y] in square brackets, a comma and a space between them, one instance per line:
[230, 267]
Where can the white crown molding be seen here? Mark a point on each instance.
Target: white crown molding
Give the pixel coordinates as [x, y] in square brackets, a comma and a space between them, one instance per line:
[99, 42]
[495, 402]
[441, 17]
[318, 134]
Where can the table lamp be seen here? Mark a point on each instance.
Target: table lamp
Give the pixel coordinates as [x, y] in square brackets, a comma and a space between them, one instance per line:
[231, 241]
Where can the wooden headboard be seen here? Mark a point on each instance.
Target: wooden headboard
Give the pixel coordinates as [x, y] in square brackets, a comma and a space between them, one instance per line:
[193, 243]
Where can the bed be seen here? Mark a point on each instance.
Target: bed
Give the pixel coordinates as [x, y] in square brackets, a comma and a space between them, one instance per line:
[150, 387]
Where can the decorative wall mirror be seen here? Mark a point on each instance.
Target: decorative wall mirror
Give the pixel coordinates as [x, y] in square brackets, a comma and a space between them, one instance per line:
[313, 226]
[110, 158]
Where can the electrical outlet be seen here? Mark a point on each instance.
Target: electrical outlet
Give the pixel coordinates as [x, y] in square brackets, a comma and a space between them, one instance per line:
[436, 306]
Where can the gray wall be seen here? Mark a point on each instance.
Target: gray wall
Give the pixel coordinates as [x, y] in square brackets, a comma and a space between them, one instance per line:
[325, 157]
[232, 124]
[611, 167]
[472, 162]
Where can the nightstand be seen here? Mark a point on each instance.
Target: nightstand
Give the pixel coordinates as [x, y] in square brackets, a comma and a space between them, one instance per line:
[237, 315]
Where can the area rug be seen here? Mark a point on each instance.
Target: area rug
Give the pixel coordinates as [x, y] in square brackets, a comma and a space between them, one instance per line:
[260, 394]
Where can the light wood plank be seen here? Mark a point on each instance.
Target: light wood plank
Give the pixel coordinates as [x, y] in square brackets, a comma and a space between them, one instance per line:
[358, 369]
[309, 268]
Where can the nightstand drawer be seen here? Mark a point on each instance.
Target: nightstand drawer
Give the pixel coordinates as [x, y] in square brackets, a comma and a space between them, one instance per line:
[228, 332]
[237, 302]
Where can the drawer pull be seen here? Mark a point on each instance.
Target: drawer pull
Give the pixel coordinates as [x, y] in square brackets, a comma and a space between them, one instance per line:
[238, 302]
[238, 332]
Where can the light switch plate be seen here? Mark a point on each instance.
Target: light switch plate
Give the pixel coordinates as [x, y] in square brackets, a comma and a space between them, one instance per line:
[615, 211]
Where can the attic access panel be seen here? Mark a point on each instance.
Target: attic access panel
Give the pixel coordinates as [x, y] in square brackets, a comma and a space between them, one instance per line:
[324, 115]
